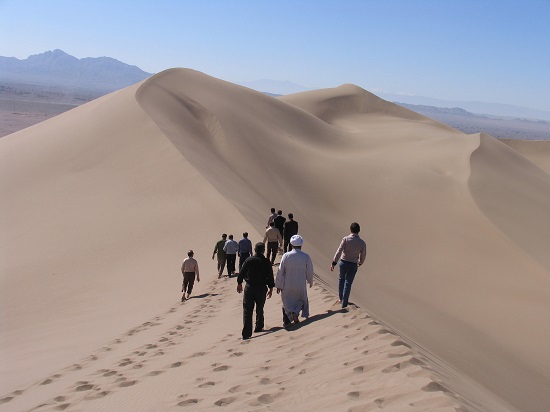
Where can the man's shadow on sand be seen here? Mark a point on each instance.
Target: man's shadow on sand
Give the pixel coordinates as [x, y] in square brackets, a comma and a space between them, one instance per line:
[204, 295]
[295, 326]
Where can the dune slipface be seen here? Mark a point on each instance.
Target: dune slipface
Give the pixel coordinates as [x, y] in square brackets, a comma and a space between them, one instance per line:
[102, 202]
[439, 269]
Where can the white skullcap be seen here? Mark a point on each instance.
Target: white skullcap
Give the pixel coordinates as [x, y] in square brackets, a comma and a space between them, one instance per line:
[296, 240]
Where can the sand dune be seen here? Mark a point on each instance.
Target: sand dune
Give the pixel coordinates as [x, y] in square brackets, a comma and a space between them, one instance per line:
[99, 205]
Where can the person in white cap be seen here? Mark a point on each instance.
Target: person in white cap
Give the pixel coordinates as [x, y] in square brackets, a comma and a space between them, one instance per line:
[295, 270]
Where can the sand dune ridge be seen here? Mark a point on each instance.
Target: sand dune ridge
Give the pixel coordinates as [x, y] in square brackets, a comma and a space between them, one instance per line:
[102, 203]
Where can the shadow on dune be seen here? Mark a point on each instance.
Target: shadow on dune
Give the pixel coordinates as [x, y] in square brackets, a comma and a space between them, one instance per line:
[204, 295]
[294, 327]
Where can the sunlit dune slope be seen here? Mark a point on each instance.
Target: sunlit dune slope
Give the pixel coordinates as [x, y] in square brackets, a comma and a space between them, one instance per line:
[439, 270]
[98, 210]
[100, 204]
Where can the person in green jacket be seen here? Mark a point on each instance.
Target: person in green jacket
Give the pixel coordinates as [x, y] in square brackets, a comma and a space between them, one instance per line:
[218, 250]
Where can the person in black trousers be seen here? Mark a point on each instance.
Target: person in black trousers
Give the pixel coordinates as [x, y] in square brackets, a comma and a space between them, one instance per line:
[279, 222]
[291, 229]
[258, 274]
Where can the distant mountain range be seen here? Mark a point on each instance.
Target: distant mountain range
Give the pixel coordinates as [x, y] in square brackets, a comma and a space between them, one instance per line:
[276, 87]
[501, 127]
[93, 77]
[57, 68]
[481, 108]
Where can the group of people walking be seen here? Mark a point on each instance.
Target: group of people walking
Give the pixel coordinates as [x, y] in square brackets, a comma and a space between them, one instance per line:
[294, 274]
[227, 250]
[278, 233]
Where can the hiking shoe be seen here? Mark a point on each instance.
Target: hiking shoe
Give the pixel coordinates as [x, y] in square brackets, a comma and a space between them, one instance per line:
[295, 317]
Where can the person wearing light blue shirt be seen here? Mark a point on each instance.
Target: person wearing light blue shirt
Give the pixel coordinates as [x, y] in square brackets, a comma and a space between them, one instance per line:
[245, 249]
[231, 248]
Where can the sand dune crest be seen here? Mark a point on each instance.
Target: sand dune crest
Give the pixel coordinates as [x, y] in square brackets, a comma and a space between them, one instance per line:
[100, 205]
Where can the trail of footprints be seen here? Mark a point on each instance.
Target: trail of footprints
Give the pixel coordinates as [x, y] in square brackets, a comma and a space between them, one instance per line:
[127, 371]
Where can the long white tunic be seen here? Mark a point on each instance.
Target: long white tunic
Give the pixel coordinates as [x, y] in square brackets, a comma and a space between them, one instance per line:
[295, 270]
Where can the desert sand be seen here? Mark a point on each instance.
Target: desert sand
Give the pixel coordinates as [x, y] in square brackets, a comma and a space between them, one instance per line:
[100, 204]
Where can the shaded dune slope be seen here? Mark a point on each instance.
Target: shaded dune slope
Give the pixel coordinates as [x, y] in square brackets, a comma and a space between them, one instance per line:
[108, 197]
[440, 270]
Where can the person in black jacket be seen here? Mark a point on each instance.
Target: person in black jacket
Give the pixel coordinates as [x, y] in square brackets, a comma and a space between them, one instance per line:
[291, 229]
[258, 274]
[279, 222]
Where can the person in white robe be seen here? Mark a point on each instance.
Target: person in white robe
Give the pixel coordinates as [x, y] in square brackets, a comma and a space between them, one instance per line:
[295, 270]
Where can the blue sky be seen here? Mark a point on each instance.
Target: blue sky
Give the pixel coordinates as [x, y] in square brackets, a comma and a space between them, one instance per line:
[492, 51]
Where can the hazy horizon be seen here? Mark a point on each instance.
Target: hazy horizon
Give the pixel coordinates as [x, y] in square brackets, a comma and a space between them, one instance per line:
[466, 51]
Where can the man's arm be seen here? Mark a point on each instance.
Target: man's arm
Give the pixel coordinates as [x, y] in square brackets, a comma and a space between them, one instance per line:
[338, 253]
[215, 250]
[280, 280]
[363, 254]
[309, 272]
[242, 272]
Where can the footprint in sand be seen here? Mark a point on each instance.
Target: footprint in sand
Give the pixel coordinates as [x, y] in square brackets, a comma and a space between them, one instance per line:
[63, 406]
[109, 373]
[84, 387]
[220, 368]
[125, 362]
[393, 368]
[266, 398]
[434, 387]
[176, 364]
[400, 343]
[235, 389]
[6, 399]
[189, 402]
[198, 354]
[416, 361]
[225, 401]
[206, 384]
[399, 355]
[236, 354]
[354, 395]
[358, 369]
[265, 381]
[125, 384]
[155, 373]
[59, 399]
[100, 395]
